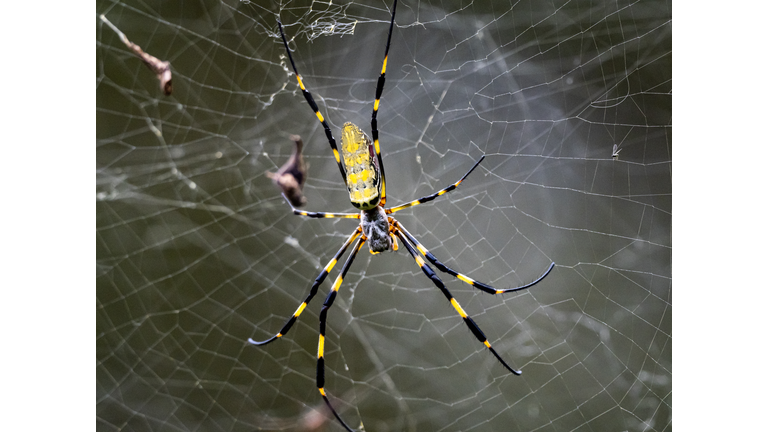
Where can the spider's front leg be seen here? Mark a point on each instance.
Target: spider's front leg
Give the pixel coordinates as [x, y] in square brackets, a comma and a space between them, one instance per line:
[318, 281]
[464, 278]
[473, 327]
[321, 340]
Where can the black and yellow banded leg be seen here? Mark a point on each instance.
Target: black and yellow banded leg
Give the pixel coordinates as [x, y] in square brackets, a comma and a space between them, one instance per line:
[323, 316]
[313, 105]
[473, 327]
[436, 194]
[318, 281]
[326, 215]
[464, 278]
[374, 122]
[321, 215]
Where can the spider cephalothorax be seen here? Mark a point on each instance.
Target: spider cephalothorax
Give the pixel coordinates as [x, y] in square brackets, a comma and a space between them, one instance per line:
[376, 227]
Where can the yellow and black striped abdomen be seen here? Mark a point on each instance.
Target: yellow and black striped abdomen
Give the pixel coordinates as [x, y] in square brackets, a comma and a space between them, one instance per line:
[363, 179]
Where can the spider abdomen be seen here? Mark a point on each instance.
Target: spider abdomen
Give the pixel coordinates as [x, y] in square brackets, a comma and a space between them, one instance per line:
[363, 179]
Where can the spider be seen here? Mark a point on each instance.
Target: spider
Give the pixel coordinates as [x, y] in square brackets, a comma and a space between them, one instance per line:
[364, 177]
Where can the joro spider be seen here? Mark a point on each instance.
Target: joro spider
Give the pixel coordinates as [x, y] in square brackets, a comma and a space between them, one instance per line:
[364, 176]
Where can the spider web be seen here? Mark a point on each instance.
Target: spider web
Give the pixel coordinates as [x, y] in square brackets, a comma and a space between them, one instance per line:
[197, 251]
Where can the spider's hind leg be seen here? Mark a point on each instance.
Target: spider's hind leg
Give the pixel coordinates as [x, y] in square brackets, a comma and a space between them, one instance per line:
[374, 122]
[313, 105]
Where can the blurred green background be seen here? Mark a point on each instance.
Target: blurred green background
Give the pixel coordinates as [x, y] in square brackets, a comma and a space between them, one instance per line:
[197, 252]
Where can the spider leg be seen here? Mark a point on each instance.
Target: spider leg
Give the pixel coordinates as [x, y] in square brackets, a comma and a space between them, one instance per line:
[473, 327]
[477, 284]
[323, 315]
[313, 105]
[436, 194]
[374, 123]
[326, 215]
[321, 214]
[318, 281]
